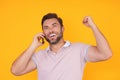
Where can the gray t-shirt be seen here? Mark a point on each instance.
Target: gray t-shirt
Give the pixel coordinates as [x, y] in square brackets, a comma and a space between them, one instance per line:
[67, 64]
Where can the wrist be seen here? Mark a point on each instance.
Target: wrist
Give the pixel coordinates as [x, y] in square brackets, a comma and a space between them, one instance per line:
[33, 46]
[93, 26]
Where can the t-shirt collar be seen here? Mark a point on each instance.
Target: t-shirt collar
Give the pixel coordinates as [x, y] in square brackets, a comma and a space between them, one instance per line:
[67, 43]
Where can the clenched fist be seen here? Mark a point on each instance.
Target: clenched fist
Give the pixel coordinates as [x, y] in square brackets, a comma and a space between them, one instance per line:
[87, 21]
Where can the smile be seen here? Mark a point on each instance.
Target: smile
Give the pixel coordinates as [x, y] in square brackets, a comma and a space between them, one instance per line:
[52, 35]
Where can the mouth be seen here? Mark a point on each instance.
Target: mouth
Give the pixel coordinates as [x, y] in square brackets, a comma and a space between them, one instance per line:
[52, 35]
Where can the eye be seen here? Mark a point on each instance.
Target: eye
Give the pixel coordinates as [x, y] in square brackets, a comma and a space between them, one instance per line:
[45, 27]
[55, 25]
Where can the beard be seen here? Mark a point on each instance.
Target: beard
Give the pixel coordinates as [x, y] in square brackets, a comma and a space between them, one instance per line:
[60, 35]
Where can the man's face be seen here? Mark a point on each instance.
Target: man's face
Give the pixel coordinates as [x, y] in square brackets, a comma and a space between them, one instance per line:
[53, 30]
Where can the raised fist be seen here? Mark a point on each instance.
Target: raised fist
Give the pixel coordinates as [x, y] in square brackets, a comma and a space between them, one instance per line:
[87, 21]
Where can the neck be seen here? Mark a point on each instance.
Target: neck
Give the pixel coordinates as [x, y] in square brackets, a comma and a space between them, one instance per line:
[56, 47]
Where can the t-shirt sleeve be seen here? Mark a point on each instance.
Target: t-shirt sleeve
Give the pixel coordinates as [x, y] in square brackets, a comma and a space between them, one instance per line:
[84, 52]
[36, 57]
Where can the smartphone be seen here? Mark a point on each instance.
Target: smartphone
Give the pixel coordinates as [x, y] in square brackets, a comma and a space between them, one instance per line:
[43, 41]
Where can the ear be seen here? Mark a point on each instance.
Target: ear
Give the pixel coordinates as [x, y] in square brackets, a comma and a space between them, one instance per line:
[63, 28]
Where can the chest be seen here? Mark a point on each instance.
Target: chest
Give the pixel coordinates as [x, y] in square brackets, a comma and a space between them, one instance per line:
[64, 61]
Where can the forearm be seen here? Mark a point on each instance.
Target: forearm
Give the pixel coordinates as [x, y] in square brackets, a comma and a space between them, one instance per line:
[22, 61]
[101, 42]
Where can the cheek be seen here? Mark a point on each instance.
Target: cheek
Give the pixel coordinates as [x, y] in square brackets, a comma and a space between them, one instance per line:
[45, 33]
[57, 30]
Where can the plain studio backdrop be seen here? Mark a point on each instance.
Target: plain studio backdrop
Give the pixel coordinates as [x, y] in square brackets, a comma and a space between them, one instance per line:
[20, 21]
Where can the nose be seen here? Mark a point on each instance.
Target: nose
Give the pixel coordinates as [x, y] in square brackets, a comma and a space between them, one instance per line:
[51, 30]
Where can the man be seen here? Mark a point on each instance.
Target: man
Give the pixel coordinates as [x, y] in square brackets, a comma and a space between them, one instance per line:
[62, 60]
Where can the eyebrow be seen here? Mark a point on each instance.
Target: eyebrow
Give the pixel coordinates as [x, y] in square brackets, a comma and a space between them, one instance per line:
[54, 23]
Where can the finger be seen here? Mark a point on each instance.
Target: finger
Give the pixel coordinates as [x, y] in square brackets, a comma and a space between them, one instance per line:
[85, 20]
[40, 37]
[40, 34]
[41, 40]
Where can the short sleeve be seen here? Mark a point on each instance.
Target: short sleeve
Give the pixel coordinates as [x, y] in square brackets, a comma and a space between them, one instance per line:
[34, 59]
[84, 52]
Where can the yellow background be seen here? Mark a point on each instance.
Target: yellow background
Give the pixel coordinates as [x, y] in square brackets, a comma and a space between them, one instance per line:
[20, 21]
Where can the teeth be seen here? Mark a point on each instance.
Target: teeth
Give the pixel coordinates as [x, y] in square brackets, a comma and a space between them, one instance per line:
[51, 35]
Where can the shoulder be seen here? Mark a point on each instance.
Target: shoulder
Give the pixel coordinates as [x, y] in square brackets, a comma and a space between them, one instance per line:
[78, 44]
[40, 53]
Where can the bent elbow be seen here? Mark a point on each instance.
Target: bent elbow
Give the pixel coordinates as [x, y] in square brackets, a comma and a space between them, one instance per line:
[108, 56]
[15, 72]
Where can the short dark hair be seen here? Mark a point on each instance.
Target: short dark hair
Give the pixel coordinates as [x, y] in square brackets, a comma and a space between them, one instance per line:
[51, 15]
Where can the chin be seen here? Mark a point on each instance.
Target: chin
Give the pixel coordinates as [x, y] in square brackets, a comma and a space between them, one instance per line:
[53, 42]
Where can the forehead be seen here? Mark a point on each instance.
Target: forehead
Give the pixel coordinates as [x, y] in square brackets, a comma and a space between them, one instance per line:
[50, 21]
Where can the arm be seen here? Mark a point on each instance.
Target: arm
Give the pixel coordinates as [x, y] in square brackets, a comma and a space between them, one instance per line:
[102, 49]
[24, 64]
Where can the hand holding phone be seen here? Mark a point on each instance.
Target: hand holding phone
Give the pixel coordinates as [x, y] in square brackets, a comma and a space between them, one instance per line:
[42, 41]
[38, 39]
